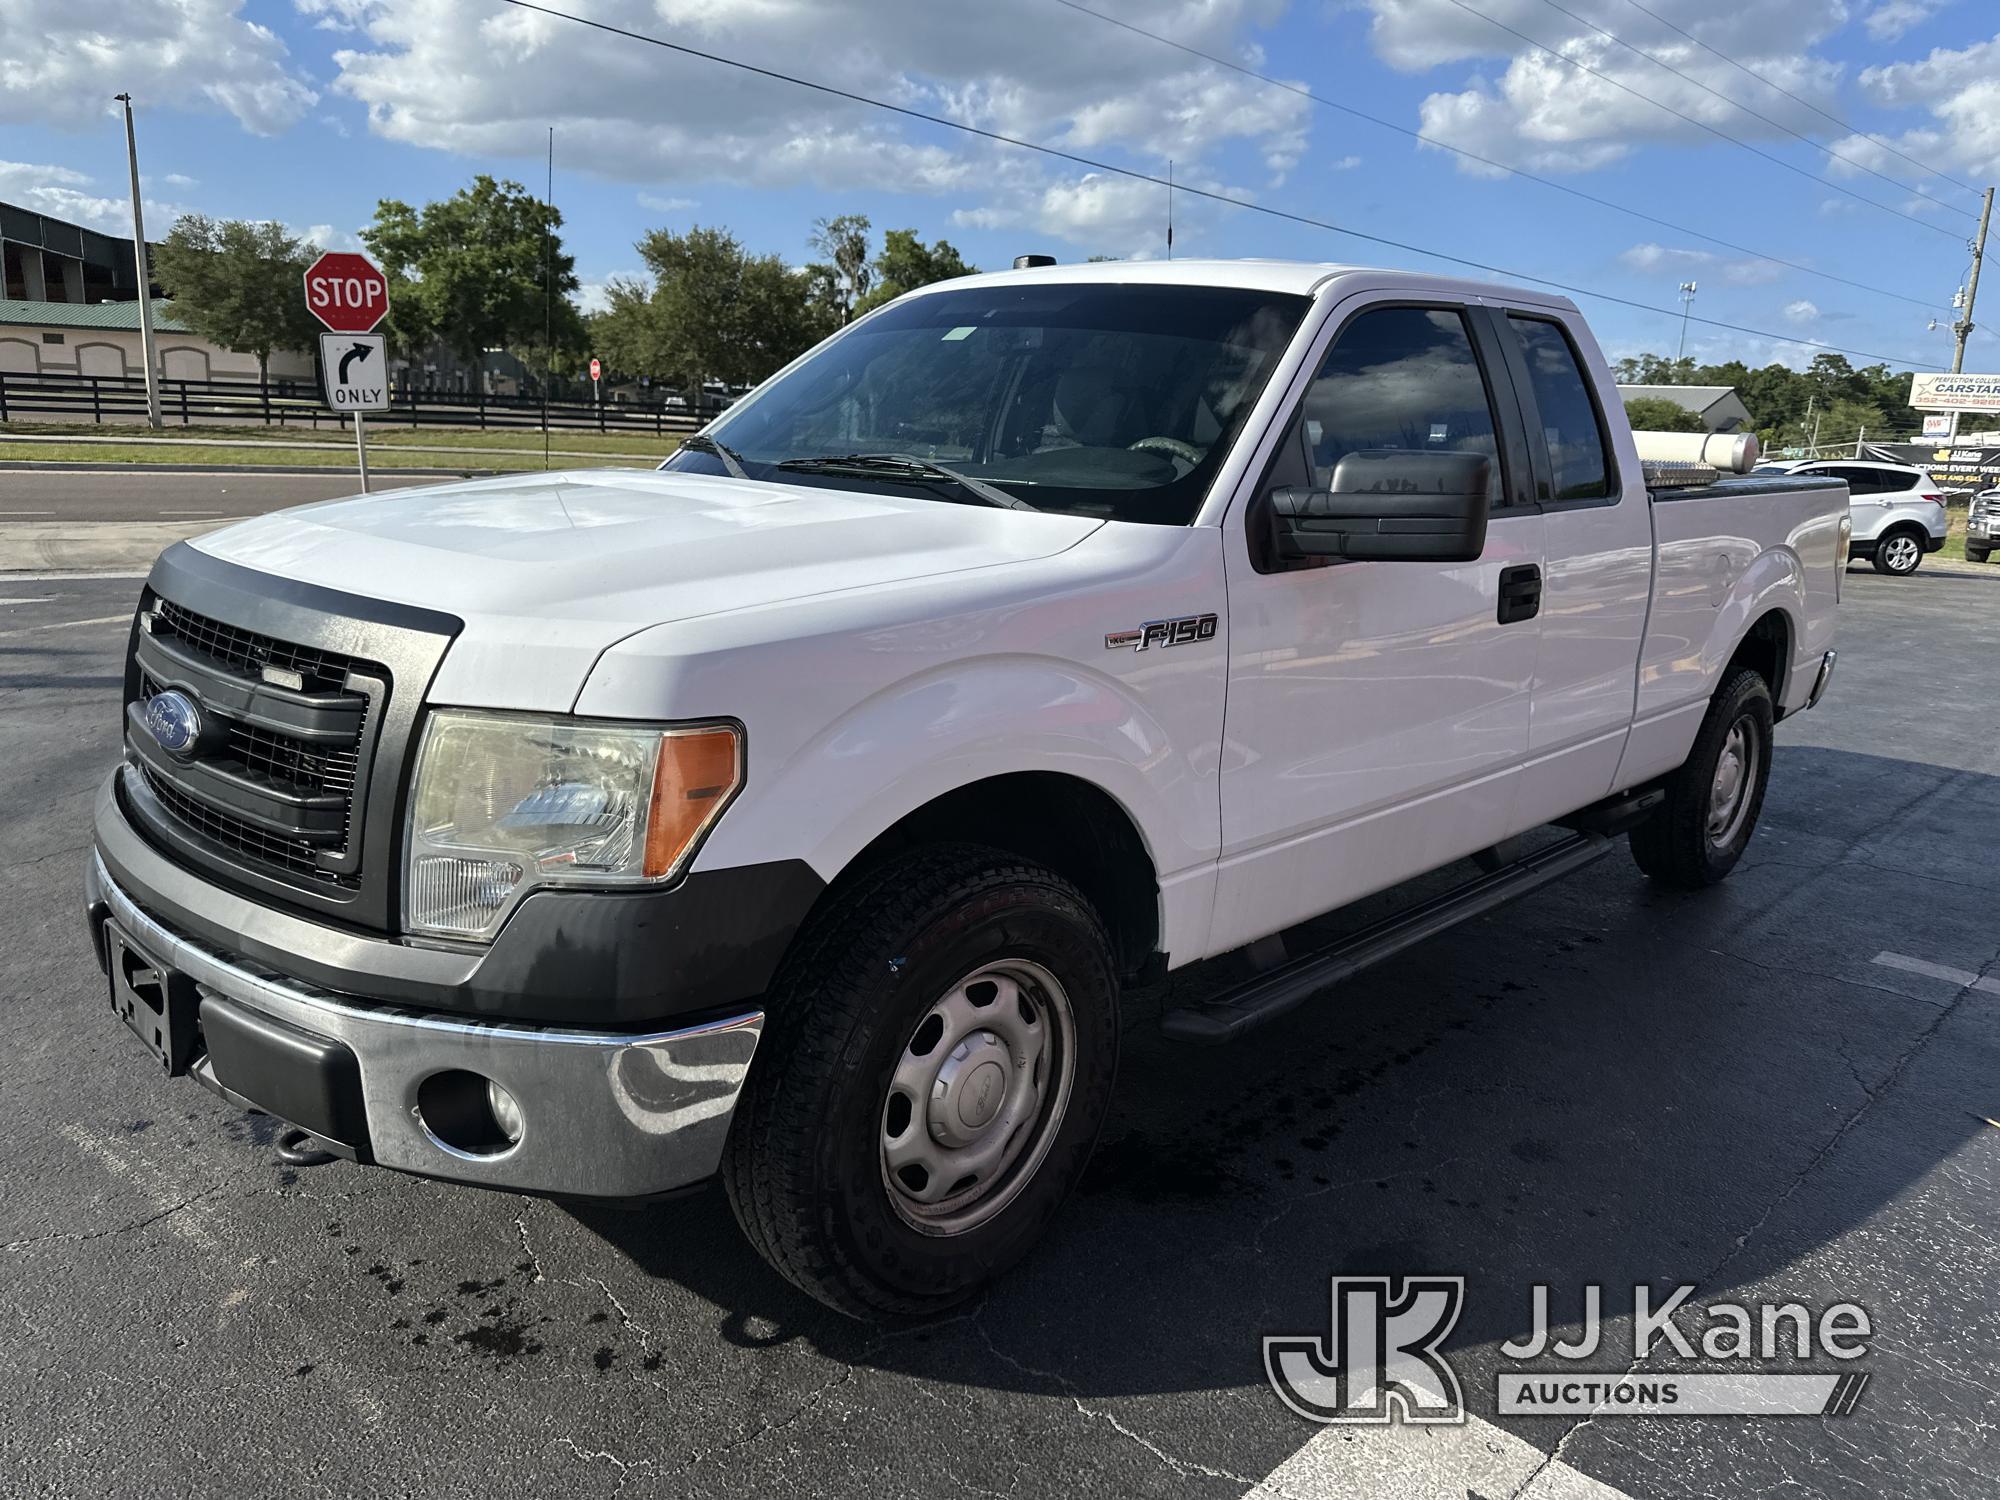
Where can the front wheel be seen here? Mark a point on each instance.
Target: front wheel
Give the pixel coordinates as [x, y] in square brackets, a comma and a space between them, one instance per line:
[1899, 554]
[1695, 837]
[937, 1060]
[1977, 554]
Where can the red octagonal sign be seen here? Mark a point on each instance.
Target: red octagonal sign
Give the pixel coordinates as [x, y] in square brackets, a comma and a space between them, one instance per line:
[346, 292]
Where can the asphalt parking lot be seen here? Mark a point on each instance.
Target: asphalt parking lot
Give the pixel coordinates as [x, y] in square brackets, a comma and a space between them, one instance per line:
[1784, 1087]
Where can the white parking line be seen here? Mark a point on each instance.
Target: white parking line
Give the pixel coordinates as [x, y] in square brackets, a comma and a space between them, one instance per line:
[1401, 1462]
[1963, 978]
[26, 512]
[60, 575]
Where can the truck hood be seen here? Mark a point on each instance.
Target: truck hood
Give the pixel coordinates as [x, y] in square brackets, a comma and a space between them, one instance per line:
[548, 570]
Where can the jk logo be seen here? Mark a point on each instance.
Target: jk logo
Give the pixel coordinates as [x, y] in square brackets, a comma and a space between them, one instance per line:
[1381, 1361]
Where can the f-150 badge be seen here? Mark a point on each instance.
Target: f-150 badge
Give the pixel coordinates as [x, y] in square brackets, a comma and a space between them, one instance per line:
[1163, 633]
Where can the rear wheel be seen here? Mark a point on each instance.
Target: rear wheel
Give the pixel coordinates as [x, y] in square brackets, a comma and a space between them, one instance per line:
[937, 1061]
[1899, 553]
[1696, 836]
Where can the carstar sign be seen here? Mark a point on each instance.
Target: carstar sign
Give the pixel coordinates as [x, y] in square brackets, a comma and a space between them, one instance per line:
[346, 292]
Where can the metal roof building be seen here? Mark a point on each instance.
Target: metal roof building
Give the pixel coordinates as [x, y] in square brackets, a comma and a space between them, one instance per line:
[1718, 406]
[43, 259]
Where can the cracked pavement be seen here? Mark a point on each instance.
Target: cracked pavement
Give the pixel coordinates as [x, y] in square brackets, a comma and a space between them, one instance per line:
[1601, 1084]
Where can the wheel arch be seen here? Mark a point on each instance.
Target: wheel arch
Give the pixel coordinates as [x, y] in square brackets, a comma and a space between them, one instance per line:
[1061, 821]
[1766, 649]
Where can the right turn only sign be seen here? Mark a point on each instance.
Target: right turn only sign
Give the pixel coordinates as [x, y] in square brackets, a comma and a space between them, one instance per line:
[355, 369]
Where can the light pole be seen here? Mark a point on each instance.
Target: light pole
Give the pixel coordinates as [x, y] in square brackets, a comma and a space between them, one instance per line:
[146, 348]
[1687, 301]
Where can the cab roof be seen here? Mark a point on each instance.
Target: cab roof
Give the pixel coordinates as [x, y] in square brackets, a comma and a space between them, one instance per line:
[1300, 278]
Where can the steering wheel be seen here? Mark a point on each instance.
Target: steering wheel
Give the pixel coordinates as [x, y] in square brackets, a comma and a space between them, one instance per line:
[1186, 452]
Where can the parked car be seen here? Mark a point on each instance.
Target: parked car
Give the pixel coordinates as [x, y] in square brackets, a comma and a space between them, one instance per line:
[797, 813]
[1982, 526]
[1898, 510]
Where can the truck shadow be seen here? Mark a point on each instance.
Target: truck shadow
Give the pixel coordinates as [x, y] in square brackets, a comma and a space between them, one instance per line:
[1603, 1083]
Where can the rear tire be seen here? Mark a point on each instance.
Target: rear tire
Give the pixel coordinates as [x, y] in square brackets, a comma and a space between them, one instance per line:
[1900, 553]
[937, 1059]
[1696, 836]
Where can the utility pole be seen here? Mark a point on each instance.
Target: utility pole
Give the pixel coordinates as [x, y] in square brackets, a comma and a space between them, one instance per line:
[1962, 329]
[1170, 208]
[1688, 290]
[147, 349]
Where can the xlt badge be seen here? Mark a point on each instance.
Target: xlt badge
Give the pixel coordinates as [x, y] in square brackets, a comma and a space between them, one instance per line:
[1163, 633]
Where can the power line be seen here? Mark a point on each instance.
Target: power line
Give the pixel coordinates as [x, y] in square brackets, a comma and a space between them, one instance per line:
[1746, 109]
[1181, 187]
[1796, 99]
[1487, 161]
[1778, 161]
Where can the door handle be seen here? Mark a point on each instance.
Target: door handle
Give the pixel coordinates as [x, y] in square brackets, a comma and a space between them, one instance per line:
[1520, 592]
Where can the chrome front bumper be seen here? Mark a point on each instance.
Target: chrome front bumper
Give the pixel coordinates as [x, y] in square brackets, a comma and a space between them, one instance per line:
[604, 1114]
[1819, 683]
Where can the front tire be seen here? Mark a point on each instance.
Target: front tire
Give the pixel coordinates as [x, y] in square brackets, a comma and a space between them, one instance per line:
[1978, 554]
[937, 1060]
[1899, 554]
[1696, 836]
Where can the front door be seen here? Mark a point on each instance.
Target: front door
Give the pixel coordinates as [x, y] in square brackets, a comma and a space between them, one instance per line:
[1378, 712]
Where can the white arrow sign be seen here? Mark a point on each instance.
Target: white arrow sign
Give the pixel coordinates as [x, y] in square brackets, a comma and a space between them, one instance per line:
[356, 371]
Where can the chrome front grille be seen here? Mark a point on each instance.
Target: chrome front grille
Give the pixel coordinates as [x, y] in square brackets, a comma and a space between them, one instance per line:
[275, 780]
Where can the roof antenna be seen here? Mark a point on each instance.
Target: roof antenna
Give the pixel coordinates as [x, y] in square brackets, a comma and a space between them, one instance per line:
[1170, 208]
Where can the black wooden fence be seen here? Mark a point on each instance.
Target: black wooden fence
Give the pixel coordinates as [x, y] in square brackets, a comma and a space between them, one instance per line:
[119, 398]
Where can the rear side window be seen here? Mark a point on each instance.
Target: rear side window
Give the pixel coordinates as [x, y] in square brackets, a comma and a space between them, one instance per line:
[1400, 377]
[1569, 417]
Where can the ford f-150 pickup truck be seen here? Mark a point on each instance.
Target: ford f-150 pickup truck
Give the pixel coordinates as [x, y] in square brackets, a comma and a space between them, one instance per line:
[796, 812]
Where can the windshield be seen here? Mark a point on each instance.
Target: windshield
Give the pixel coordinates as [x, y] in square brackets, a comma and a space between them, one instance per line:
[1092, 398]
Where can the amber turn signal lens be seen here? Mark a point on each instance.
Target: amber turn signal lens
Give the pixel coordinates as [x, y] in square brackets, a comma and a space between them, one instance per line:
[698, 773]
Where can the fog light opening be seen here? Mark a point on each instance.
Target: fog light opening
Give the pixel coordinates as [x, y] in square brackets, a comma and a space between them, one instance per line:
[469, 1115]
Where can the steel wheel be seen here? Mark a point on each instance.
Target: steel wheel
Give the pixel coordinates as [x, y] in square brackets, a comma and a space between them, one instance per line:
[1901, 554]
[977, 1097]
[1729, 791]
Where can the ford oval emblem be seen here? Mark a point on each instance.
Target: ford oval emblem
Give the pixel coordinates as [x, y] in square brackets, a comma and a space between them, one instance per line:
[173, 721]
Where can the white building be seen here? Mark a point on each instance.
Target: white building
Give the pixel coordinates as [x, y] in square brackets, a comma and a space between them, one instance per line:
[102, 338]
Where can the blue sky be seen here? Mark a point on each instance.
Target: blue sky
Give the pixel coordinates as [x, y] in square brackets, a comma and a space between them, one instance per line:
[307, 112]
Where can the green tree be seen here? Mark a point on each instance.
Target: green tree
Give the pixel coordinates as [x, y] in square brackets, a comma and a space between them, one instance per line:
[238, 284]
[479, 270]
[843, 241]
[906, 263]
[711, 311]
[1653, 414]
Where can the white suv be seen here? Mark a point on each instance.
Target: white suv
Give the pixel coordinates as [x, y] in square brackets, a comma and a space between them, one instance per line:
[1898, 511]
[1982, 527]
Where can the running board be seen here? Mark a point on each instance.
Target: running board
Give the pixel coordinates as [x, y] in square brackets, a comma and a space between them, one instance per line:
[1269, 996]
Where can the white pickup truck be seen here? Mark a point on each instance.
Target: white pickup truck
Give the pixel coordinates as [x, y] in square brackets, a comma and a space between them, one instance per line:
[795, 813]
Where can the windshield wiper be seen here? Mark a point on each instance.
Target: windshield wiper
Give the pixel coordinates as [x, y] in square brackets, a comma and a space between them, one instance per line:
[904, 466]
[701, 442]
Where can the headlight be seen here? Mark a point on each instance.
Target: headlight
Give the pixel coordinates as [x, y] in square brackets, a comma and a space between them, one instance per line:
[504, 803]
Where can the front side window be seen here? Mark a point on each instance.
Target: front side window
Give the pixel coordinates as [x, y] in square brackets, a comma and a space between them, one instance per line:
[1088, 397]
[1569, 417]
[1400, 377]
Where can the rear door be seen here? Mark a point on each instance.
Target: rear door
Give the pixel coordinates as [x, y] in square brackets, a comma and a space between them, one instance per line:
[1378, 711]
[1597, 541]
[1867, 502]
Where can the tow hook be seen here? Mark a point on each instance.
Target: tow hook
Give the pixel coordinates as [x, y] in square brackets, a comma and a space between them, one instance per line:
[300, 1148]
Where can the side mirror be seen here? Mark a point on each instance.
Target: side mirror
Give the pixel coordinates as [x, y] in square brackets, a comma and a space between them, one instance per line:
[1389, 505]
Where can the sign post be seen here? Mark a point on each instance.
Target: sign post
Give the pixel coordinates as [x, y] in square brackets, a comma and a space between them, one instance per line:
[350, 295]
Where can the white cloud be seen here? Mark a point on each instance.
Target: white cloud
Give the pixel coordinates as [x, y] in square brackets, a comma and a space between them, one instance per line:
[626, 110]
[327, 237]
[1801, 311]
[64, 59]
[1889, 20]
[663, 205]
[1344, 164]
[1665, 261]
[1961, 90]
[180, 180]
[62, 193]
[1541, 113]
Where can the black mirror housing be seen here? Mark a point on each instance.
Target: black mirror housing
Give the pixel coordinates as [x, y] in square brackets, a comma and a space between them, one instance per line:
[1389, 505]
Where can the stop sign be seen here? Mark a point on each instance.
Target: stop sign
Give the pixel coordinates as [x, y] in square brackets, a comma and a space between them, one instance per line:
[596, 369]
[346, 292]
